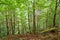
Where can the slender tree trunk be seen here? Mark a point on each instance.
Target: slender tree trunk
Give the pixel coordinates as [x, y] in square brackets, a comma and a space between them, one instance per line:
[22, 26]
[46, 23]
[7, 24]
[54, 19]
[29, 21]
[13, 24]
[0, 28]
[34, 24]
[47, 20]
[18, 28]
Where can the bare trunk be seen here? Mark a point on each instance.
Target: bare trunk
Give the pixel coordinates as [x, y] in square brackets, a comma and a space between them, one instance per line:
[34, 24]
[29, 21]
[12, 23]
[13, 31]
[18, 28]
[54, 19]
[7, 24]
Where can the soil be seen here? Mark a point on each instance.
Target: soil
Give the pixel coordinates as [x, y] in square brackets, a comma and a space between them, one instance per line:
[47, 36]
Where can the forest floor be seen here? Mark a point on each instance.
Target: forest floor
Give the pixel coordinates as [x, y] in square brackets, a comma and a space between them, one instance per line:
[44, 36]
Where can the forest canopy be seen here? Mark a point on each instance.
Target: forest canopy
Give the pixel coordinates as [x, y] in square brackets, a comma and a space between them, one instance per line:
[26, 16]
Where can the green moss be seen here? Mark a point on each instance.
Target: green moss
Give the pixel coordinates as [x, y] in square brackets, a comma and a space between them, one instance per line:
[50, 29]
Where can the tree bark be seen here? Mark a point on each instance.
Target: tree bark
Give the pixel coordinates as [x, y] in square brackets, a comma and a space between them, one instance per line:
[29, 21]
[7, 24]
[34, 24]
[18, 28]
[13, 24]
[54, 19]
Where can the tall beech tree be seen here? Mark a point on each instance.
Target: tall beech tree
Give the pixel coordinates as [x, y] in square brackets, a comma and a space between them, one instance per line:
[34, 24]
[54, 19]
[7, 23]
[29, 20]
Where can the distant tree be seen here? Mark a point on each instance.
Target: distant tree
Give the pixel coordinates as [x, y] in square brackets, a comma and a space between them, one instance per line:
[18, 28]
[7, 23]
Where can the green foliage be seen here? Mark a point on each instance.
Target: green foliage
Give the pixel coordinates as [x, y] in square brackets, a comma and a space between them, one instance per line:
[44, 15]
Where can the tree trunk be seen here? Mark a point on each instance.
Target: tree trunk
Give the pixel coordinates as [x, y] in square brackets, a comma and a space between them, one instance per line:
[54, 19]
[34, 24]
[18, 28]
[29, 21]
[12, 23]
[7, 24]
[13, 31]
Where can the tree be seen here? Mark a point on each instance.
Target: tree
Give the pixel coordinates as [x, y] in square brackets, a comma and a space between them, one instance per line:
[7, 23]
[54, 19]
[29, 20]
[34, 24]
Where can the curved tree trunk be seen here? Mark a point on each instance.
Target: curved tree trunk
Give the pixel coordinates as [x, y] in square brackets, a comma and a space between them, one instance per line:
[54, 19]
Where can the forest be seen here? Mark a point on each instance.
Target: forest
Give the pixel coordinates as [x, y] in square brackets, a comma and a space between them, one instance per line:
[29, 19]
